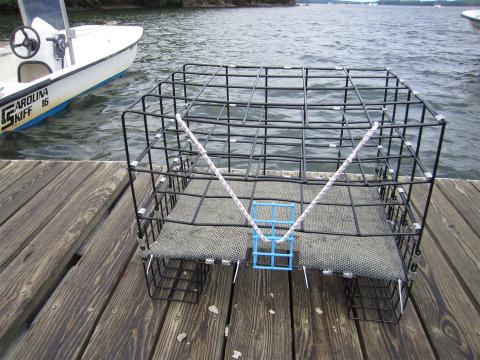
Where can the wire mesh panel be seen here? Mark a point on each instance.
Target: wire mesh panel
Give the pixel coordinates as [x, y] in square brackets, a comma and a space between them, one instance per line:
[277, 134]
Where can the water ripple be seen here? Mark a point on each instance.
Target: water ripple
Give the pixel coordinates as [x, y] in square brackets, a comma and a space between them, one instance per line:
[434, 50]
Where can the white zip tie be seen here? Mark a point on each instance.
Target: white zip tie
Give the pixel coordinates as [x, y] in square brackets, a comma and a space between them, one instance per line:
[229, 190]
[236, 271]
[149, 263]
[305, 274]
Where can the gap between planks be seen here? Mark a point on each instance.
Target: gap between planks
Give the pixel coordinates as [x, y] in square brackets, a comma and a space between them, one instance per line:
[39, 267]
[88, 286]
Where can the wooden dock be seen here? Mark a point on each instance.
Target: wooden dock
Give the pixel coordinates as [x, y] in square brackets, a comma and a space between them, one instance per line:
[72, 284]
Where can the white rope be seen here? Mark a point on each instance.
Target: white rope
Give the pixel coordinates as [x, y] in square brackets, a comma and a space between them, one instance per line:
[212, 166]
[330, 182]
[229, 190]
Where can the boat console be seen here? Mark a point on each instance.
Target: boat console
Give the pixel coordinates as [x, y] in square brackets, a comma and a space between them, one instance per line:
[46, 63]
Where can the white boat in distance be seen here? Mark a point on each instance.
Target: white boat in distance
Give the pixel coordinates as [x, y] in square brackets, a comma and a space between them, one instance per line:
[473, 16]
[47, 63]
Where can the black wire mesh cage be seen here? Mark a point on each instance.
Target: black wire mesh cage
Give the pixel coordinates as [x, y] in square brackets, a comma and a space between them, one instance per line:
[277, 134]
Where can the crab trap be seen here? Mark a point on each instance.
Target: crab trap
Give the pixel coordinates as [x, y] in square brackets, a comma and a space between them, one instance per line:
[284, 168]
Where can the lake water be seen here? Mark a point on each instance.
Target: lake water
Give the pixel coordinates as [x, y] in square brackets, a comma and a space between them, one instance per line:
[435, 50]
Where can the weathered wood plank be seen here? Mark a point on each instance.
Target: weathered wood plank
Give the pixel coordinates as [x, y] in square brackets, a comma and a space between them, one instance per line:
[448, 315]
[123, 332]
[254, 330]
[14, 171]
[454, 235]
[130, 324]
[466, 200]
[475, 184]
[20, 229]
[405, 340]
[321, 327]
[18, 193]
[204, 329]
[4, 163]
[38, 267]
[63, 329]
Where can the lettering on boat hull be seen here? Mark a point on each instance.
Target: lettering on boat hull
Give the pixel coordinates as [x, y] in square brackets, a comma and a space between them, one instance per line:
[21, 109]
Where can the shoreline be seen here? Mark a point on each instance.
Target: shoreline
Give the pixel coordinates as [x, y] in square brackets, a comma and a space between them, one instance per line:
[13, 10]
[10, 10]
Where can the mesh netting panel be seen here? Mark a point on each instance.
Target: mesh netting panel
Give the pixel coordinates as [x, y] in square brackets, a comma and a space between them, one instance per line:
[372, 256]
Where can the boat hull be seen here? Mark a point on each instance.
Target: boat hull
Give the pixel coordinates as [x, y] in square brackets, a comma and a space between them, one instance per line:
[475, 24]
[47, 98]
[473, 16]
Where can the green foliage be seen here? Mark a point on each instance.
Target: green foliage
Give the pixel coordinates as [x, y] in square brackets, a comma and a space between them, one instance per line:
[8, 6]
[83, 3]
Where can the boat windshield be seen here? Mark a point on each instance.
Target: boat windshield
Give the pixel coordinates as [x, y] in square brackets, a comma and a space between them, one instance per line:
[47, 10]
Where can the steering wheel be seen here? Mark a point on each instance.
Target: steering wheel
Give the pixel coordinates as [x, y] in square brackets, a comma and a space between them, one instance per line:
[25, 42]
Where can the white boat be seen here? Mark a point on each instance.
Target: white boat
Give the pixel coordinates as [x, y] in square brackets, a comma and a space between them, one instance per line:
[47, 63]
[473, 16]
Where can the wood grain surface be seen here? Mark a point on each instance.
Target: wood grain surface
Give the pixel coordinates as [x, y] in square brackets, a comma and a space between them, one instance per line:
[100, 308]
